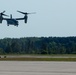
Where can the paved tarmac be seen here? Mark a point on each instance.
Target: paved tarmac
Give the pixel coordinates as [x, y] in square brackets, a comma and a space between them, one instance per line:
[37, 68]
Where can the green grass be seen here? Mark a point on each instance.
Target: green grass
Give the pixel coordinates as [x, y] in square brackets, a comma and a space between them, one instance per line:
[37, 59]
[54, 57]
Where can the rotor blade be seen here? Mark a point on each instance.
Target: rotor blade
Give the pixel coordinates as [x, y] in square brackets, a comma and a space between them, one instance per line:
[4, 11]
[25, 13]
[21, 12]
[32, 13]
[4, 14]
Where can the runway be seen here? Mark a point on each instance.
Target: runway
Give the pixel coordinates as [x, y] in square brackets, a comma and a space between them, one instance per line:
[37, 68]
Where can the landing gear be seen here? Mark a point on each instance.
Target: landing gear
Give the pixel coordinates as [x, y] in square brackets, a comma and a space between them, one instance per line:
[7, 24]
[17, 25]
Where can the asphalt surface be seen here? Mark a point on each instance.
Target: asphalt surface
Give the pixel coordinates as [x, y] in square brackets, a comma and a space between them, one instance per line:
[37, 68]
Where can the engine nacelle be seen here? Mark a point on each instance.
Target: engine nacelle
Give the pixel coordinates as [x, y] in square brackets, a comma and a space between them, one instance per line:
[25, 19]
[0, 21]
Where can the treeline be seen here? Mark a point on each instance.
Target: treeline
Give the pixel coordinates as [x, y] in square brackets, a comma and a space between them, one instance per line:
[36, 45]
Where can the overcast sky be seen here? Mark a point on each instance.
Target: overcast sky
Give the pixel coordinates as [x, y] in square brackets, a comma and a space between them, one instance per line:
[52, 18]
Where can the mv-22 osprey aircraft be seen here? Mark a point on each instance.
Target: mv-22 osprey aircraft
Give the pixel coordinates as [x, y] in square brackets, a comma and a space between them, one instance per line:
[14, 21]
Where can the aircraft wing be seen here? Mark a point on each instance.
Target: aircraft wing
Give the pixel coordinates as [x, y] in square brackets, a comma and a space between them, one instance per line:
[19, 18]
[5, 18]
[14, 18]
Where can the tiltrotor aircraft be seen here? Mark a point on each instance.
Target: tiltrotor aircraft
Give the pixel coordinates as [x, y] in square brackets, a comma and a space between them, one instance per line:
[14, 21]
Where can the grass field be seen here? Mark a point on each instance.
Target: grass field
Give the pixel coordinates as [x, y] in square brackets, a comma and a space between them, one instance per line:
[64, 57]
[38, 59]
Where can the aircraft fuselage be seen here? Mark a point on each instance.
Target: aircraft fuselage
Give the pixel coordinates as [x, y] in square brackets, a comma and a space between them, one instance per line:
[12, 22]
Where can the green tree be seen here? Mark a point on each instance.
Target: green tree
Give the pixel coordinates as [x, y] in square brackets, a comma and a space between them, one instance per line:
[1, 51]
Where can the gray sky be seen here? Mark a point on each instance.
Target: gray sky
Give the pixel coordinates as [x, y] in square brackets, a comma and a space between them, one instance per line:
[52, 18]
